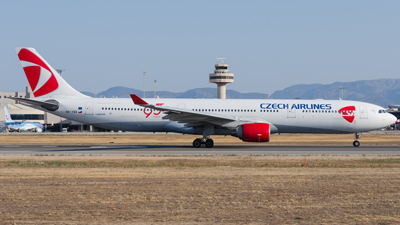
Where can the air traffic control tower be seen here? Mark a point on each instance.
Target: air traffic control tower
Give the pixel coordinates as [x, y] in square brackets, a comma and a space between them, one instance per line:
[221, 77]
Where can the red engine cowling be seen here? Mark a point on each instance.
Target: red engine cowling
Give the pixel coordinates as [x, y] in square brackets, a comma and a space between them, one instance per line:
[254, 132]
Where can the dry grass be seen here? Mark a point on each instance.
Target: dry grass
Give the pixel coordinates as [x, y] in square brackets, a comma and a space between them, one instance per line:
[199, 190]
[132, 161]
[176, 139]
[61, 189]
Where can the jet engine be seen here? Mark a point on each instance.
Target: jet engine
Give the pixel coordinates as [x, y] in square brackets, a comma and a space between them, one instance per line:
[253, 132]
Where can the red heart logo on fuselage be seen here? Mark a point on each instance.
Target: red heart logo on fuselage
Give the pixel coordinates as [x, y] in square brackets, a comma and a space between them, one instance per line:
[348, 113]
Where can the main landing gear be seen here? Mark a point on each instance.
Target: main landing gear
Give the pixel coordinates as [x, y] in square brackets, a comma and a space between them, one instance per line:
[356, 143]
[198, 142]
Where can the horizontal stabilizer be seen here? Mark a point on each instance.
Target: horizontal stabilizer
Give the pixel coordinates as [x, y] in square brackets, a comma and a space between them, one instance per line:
[47, 105]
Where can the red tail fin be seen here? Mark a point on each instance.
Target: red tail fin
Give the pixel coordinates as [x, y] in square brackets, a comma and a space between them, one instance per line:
[42, 78]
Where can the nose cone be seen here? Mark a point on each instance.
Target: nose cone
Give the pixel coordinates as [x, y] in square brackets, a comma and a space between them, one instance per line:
[391, 119]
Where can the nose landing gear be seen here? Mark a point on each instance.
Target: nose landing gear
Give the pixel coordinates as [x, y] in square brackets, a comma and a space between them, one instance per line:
[356, 143]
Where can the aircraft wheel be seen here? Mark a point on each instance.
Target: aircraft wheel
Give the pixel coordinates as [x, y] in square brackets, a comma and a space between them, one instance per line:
[197, 143]
[356, 143]
[209, 143]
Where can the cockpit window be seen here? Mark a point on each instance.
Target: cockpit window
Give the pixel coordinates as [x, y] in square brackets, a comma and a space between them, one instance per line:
[382, 111]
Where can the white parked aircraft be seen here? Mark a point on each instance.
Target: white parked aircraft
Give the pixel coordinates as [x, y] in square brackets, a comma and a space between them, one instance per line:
[21, 126]
[250, 120]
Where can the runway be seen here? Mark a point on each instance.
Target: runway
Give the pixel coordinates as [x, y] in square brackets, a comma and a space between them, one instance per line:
[188, 150]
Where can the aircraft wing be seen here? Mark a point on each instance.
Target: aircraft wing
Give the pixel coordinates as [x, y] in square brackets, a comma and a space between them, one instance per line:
[194, 118]
[3, 129]
[394, 106]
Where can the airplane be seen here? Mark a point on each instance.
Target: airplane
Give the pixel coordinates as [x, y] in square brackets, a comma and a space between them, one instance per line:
[21, 126]
[251, 120]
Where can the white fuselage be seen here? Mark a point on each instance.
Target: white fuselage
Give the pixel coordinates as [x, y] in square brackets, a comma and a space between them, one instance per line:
[285, 116]
[24, 126]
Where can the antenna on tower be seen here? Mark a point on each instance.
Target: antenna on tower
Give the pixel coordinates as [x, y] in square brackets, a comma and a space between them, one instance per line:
[221, 60]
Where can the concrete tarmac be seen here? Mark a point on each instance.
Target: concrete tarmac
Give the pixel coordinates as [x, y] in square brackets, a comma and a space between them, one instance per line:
[189, 150]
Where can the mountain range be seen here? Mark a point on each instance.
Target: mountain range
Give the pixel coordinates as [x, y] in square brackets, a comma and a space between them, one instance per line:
[380, 92]
[124, 92]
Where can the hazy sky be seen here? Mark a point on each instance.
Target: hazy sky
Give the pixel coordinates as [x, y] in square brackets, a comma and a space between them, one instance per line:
[269, 45]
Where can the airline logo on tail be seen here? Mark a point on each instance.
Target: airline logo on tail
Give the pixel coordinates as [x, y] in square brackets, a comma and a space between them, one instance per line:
[348, 113]
[40, 77]
[7, 115]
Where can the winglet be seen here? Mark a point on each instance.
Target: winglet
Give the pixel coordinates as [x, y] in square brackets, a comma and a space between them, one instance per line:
[138, 101]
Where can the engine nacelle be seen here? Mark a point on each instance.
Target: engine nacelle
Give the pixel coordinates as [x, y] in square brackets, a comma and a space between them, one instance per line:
[254, 132]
